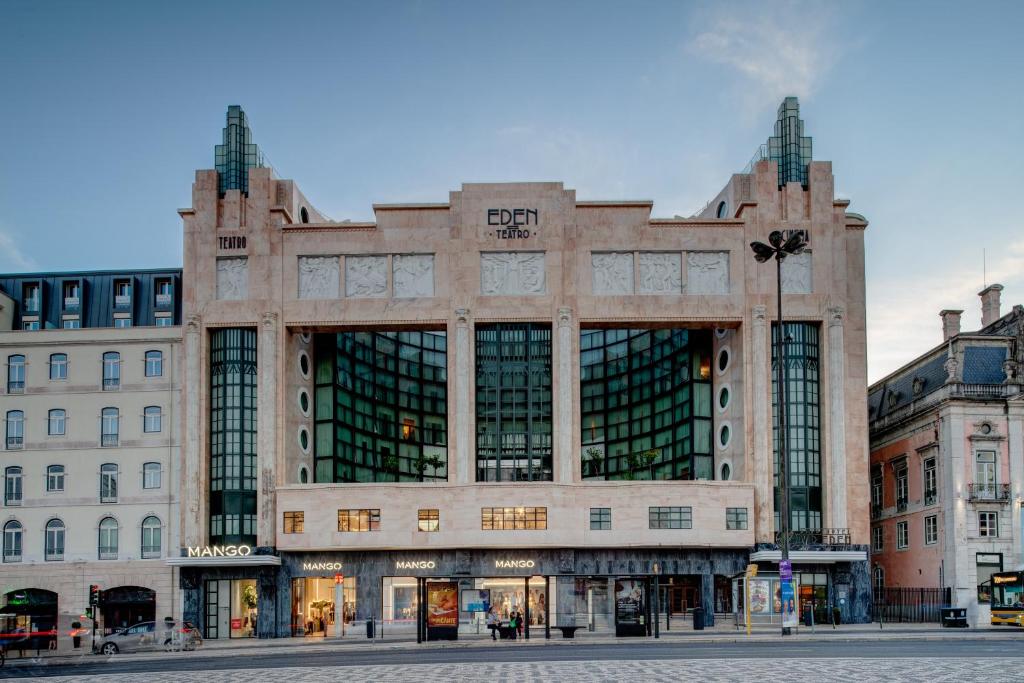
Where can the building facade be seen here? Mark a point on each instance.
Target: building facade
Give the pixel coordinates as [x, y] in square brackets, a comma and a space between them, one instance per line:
[947, 461]
[567, 403]
[90, 404]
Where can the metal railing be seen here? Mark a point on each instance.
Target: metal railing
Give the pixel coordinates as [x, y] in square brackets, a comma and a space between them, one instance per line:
[817, 538]
[110, 383]
[931, 497]
[163, 299]
[906, 604]
[71, 303]
[15, 387]
[989, 492]
[15, 443]
[901, 505]
[108, 440]
[122, 300]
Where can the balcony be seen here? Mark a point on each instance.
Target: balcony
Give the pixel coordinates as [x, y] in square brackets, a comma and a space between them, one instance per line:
[123, 301]
[164, 301]
[901, 505]
[16, 387]
[995, 493]
[30, 306]
[15, 443]
[931, 497]
[108, 440]
[71, 304]
[817, 539]
[111, 383]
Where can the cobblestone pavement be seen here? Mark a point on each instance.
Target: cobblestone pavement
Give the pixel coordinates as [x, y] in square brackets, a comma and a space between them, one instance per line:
[836, 670]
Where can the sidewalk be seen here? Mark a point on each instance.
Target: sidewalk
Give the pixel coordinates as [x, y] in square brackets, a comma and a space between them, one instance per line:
[715, 635]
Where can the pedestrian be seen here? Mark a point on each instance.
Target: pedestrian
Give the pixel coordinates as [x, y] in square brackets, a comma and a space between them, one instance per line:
[519, 623]
[492, 624]
[513, 618]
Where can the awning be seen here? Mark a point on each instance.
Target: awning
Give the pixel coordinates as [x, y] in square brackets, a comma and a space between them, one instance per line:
[811, 556]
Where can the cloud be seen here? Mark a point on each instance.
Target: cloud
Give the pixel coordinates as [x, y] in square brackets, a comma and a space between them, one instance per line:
[777, 48]
[903, 312]
[11, 257]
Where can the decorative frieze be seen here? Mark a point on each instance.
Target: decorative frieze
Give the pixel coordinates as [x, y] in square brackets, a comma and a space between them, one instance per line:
[660, 273]
[512, 272]
[413, 275]
[232, 278]
[707, 272]
[319, 277]
[366, 276]
[612, 273]
[796, 273]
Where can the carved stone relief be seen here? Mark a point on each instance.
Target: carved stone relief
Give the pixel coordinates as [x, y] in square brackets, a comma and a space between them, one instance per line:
[512, 272]
[661, 273]
[707, 272]
[232, 278]
[413, 275]
[612, 273]
[366, 276]
[319, 277]
[796, 273]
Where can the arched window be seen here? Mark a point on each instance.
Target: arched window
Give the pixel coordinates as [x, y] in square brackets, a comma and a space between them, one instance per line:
[108, 539]
[15, 430]
[878, 577]
[151, 475]
[722, 211]
[12, 486]
[56, 422]
[58, 366]
[55, 478]
[111, 370]
[55, 540]
[12, 541]
[16, 374]
[154, 364]
[152, 419]
[109, 427]
[108, 483]
[151, 545]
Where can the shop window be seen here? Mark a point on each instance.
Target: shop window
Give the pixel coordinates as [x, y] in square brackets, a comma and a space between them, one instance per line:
[600, 519]
[514, 519]
[736, 518]
[428, 520]
[359, 520]
[987, 564]
[670, 517]
[313, 603]
[294, 522]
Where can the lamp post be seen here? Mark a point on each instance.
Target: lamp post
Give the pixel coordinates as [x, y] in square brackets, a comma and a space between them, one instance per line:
[779, 247]
[656, 569]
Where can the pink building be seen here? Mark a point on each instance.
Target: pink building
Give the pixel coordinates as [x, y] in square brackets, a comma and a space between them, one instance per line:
[947, 461]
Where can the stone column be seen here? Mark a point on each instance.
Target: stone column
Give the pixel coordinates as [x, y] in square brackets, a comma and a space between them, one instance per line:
[760, 369]
[266, 435]
[565, 458]
[462, 453]
[707, 598]
[836, 467]
[193, 488]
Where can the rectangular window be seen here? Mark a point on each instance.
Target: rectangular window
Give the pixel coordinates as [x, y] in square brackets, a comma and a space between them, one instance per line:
[988, 524]
[12, 486]
[294, 522]
[902, 535]
[152, 420]
[164, 321]
[670, 517]
[122, 322]
[931, 530]
[513, 519]
[55, 478]
[985, 475]
[108, 484]
[901, 488]
[735, 518]
[16, 374]
[151, 475]
[30, 325]
[359, 520]
[876, 489]
[877, 536]
[56, 423]
[58, 366]
[31, 299]
[428, 520]
[600, 519]
[71, 323]
[931, 491]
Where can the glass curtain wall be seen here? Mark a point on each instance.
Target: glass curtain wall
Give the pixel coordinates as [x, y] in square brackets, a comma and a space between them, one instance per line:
[233, 437]
[646, 404]
[381, 406]
[804, 424]
[513, 402]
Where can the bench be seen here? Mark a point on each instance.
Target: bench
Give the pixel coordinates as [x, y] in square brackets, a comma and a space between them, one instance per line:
[506, 633]
[568, 631]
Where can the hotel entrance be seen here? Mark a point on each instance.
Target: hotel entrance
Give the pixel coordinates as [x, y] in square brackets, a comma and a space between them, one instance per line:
[314, 609]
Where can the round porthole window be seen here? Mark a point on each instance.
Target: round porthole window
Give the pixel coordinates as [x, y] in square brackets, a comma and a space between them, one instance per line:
[304, 439]
[303, 475]
[723, 398]
[723, 436]
[304, 402]
[723, 360]
[726, 472]
[304, 364]
[986, 428]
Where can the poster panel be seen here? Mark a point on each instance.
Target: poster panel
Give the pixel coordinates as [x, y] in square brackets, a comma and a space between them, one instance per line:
[442, 604]
[787, 593]
[476, 600]
[760, 594]
[629, 601]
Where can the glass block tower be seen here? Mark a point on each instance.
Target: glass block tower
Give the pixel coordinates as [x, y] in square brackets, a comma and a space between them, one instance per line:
[238, 154]
[789, 147]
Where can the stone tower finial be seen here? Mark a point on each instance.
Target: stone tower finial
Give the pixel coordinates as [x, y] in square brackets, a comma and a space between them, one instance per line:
[237, 155]
[789, 147]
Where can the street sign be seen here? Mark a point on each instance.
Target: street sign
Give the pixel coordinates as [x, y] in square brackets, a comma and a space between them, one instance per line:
[785, 569]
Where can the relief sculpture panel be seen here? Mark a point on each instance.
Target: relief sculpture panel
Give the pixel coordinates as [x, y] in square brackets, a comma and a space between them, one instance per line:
[366, 276]
[796, 273]
[707, 272]
[413, 275]
[232, 278]
[612, 273]
[512, 272]
[319, 277]
[660, 273]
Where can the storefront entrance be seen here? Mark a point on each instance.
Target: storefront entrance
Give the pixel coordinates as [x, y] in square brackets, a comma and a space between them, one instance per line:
[231, 608]
[31, 610]
[124, 606]
[314, 612]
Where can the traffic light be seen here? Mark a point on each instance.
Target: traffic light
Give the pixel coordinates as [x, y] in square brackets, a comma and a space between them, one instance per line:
[94, 595]
[88, 612]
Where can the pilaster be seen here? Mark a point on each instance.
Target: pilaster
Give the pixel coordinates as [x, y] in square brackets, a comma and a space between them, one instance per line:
[836, 468]
[565, 458]
[266, 435]
[193, 489]
[762, 437]
[461, 454]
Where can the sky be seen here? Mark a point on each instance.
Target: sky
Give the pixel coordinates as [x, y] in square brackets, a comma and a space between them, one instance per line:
[107, 109]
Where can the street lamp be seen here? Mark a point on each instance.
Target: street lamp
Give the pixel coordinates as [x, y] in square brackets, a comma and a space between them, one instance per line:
[779, 247]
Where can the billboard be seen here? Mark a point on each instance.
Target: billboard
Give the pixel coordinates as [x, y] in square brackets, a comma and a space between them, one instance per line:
[442, 603]
[476, 600]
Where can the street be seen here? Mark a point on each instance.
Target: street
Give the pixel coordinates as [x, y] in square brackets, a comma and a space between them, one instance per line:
[992, 659]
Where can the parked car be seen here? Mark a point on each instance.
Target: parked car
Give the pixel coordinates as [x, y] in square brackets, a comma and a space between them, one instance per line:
[151, 635]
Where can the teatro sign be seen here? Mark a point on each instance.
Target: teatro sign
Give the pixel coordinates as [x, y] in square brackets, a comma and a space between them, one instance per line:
[220, 551]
